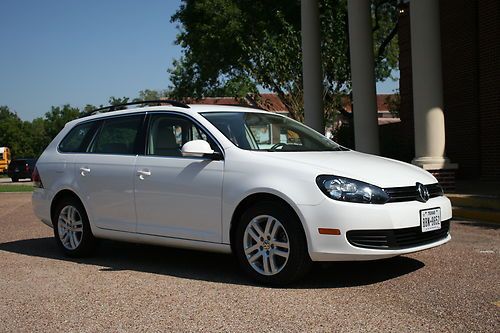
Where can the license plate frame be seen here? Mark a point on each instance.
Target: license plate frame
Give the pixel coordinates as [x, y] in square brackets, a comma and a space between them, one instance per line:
[430, 219]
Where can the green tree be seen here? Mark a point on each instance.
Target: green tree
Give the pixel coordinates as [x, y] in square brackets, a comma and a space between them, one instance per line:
[57, 117]
[11, 131]
[88, 108]
[115, 101]
[253, 44]
[394, 103]
[24, 138]
[151, 95]
[39, 139]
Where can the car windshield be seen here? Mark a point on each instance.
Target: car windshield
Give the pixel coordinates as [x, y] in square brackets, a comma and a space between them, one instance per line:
[269, 132]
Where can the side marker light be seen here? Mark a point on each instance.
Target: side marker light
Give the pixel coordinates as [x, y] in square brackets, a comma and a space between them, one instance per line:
[328, 231]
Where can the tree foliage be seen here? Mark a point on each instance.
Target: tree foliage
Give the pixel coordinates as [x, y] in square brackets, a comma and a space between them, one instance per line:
[12, 130]
[29, 138]
[235, 47]
[57, 117]
[151, 95]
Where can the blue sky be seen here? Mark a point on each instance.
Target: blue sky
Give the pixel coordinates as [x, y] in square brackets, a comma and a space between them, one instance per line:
[55, 52]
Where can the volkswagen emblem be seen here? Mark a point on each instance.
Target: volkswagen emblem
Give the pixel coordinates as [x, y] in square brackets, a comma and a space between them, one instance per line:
[422, 193]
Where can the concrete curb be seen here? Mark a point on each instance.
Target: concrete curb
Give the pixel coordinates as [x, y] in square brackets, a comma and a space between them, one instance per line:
[475, 201]
[476, 207]
[481, 215]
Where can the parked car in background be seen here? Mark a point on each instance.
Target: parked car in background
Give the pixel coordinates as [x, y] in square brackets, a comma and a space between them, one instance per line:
[21, 168]
[4, 159]
[269, 189]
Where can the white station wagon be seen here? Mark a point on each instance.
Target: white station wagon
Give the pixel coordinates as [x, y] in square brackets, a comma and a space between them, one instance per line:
[272, 191]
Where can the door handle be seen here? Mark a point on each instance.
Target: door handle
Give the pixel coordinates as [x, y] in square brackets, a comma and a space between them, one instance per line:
[143, 173]
[84, 171]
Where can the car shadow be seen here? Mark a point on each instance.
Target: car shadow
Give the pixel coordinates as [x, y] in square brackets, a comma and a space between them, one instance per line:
[214, 267]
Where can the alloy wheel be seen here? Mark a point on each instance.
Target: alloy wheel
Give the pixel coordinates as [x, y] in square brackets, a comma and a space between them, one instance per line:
[266, 245]
[70, 227]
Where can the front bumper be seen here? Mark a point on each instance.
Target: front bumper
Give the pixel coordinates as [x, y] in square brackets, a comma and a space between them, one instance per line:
[353, 216]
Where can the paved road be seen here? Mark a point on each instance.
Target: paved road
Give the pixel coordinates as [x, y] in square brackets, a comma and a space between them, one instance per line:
[128, 287]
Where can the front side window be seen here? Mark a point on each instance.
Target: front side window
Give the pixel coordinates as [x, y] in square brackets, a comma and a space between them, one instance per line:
[167, 133]
[268, 132]
[118, 136]
[77, 139]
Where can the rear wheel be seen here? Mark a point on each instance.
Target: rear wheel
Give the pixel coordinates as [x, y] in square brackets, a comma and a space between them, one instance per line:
[270, 244]
[15, 180]
[72, 229]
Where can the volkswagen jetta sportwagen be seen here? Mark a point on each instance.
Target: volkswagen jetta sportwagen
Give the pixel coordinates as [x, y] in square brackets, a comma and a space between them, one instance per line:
[272, 191]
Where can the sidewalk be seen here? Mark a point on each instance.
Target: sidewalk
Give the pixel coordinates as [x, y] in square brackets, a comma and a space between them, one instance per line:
[8, 181]
[476, 200]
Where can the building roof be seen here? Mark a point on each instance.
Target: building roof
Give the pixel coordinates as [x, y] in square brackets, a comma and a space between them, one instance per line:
[265, 101]
[272, 103]
[217, 101]
[381, 103]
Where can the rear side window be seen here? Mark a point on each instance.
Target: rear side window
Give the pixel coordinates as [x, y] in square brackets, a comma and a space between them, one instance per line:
[118, 136]
[77, 139]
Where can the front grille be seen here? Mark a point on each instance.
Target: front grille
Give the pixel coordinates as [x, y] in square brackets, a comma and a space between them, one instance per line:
[410, 193]
[396, 239]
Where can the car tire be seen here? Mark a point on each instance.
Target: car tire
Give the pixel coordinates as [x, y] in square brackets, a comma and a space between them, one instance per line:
[15, 180]
[270, 244]
[72, 229]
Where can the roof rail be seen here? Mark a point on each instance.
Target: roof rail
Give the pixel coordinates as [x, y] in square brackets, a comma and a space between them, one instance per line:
[120, 106]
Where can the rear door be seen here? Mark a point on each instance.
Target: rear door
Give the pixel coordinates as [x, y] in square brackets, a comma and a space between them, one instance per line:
[105, 173]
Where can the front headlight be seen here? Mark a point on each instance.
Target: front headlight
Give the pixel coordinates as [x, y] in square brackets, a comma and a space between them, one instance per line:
[351, 190]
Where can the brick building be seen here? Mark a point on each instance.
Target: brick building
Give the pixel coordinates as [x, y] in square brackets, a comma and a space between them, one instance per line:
[272, 103]
[470, 49]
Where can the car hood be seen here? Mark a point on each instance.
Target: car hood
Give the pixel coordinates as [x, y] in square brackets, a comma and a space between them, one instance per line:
[379, 171]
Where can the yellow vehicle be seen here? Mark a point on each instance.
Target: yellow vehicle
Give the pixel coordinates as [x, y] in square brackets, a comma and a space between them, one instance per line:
[4, 159]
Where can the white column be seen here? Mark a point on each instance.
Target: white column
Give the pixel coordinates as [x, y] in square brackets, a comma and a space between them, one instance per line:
[363, 76]
[311, 65]
[427, 85]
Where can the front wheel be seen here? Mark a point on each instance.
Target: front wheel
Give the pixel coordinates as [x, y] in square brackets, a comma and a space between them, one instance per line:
[72, 229]
[270, 244]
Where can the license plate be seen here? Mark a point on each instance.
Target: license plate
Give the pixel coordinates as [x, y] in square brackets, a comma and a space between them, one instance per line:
[430, 219]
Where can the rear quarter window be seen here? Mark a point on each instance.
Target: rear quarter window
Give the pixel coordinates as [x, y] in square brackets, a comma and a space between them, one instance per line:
[77, 139]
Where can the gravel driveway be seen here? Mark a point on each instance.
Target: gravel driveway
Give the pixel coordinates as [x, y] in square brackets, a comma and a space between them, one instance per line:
[128, 287]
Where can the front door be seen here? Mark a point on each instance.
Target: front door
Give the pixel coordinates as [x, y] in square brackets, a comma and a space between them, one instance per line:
[177, 196]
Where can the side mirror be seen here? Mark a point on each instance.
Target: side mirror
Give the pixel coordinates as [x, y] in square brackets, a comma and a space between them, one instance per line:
[196, 148]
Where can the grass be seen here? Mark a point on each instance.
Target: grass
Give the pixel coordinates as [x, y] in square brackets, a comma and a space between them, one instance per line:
[15, 188]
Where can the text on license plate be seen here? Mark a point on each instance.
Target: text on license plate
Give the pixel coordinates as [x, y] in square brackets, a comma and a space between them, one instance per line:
[430, 219]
